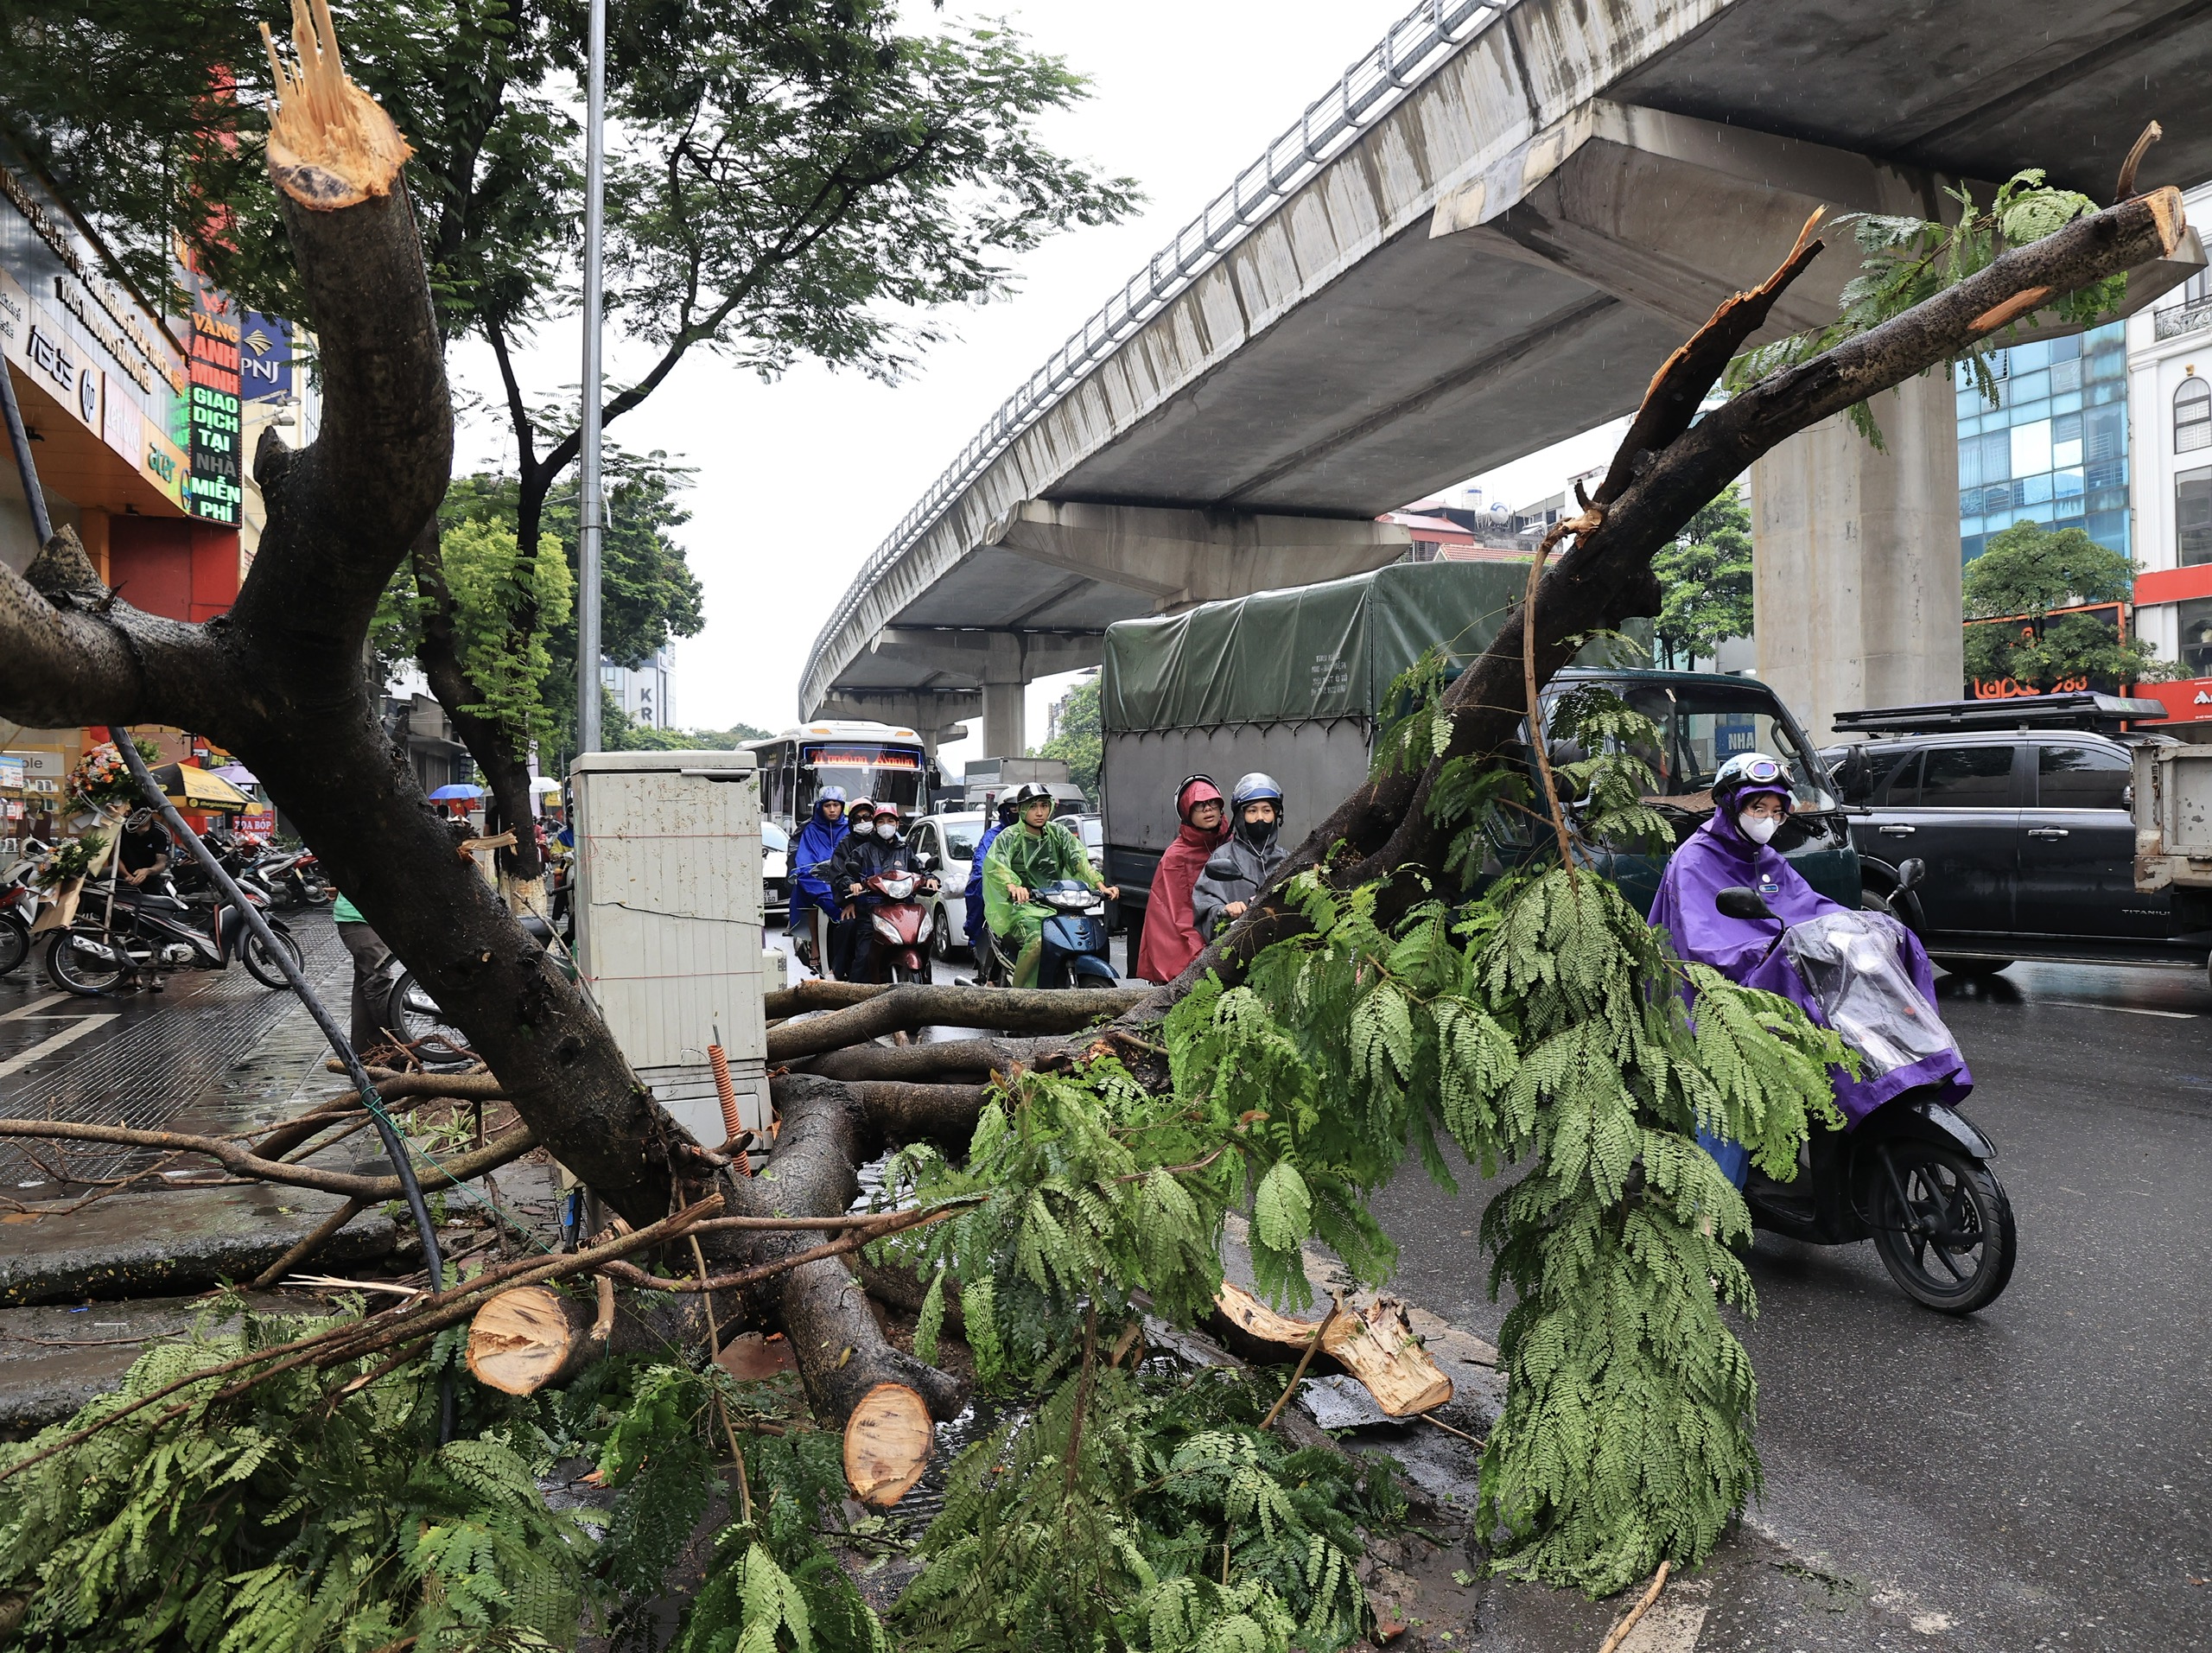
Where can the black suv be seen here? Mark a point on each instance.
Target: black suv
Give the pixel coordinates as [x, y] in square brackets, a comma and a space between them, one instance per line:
[2029, 844]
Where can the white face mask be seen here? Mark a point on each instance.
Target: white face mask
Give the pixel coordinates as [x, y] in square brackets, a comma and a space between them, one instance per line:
[890, 830]
[1760, 827]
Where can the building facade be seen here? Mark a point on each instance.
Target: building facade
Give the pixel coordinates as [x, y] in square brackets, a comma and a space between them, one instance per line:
[2052, 449]
[642, 690]
[2170, 399]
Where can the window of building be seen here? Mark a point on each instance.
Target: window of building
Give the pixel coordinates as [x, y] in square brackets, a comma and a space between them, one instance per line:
[2192, 416]
[2195, 628]
[1967, 777]
[2082, 778]
[2193, 516]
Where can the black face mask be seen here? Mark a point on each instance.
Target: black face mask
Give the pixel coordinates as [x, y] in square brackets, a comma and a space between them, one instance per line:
[1258, 834]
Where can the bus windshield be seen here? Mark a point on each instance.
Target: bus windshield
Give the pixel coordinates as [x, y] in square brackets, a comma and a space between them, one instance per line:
[888, 774]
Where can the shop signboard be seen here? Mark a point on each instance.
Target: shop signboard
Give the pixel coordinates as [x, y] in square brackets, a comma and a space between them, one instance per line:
[37, 762]
[213, 490]
[264, 357]
[11, 774]
[256, 825]
[2112, 615]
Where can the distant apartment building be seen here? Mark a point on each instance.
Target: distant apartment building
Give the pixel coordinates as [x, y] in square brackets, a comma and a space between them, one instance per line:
[642, 690]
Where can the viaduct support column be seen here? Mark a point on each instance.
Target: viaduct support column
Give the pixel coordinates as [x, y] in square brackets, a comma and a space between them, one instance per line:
[1006, 687]
[1855, 556]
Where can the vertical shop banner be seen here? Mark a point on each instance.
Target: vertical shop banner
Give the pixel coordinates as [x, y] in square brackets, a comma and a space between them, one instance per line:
[213, 491]
[264, 357]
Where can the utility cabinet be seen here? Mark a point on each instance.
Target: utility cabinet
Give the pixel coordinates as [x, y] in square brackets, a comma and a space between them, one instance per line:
[668, 906]
[2172, 808]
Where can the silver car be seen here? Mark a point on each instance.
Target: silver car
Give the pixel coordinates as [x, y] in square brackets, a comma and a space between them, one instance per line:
[950, 842]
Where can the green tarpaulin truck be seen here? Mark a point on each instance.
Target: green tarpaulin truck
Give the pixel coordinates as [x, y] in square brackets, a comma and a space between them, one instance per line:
[1293, 683]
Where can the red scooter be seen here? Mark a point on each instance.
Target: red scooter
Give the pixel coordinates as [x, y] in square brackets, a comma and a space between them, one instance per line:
[902, 926]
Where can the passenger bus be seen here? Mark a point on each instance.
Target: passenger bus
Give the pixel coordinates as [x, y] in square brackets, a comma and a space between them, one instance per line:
[867, 760]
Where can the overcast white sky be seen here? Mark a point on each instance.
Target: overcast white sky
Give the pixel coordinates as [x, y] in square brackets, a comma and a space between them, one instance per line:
[800, 479]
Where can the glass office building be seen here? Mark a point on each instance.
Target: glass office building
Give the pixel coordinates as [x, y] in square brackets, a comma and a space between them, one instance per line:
[2054, 448]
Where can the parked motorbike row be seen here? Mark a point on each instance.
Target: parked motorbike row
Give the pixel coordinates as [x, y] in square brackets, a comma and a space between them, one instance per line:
[123, 934]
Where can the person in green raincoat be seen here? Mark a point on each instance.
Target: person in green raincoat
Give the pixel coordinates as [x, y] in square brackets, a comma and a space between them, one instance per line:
[1036, 850]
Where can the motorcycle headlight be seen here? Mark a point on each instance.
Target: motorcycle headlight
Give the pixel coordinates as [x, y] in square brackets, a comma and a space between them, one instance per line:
[888, 931]
[929, 923]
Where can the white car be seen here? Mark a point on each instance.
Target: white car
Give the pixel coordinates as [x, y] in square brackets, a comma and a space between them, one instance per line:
[950, 842]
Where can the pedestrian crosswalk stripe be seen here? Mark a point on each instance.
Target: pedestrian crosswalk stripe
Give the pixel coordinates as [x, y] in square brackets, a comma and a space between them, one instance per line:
[54, 1042]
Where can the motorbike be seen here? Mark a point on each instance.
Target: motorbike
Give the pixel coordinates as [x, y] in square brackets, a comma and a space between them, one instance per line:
[19, 904]
[411, 1015]
[1913, 1176]
[121, 933]
[902, 926]
[1075, 953]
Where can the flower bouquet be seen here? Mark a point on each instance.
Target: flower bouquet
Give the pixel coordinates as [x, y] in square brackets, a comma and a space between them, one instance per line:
[102, 779]
[62, 873]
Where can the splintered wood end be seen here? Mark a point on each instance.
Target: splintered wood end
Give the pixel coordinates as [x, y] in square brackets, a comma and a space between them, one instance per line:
[330, 144]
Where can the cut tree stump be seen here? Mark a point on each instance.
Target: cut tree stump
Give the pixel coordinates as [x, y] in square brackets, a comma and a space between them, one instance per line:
[888, 1441]
[1375, 1344]
[531, 1338]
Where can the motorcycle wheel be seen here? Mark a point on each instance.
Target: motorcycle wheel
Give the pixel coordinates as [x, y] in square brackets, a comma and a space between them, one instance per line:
[941, 939]
[15, 941]
[900, 973]
[1098, 982]
[78, 972]
[1950, 1243]
[413, 1014]
[261, 964]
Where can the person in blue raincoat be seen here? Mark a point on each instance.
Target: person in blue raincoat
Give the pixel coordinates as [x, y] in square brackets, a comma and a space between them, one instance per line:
[1751, 799]
[817, 842]
[972, 896]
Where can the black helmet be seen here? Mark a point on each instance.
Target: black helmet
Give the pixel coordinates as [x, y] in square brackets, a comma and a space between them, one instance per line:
[1029, 793]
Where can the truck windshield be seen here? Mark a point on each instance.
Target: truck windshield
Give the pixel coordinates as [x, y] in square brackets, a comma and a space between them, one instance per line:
[1702, 726]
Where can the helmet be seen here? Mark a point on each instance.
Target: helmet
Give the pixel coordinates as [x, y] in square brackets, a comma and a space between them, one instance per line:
[1007, 811]
[1250, 789]
[861, 806]
[886, 812]
[1029, 792]
[1194, 791]
[1748, 774]
[141, 818]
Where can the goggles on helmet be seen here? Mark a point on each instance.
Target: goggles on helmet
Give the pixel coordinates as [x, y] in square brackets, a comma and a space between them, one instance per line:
[1750, 768]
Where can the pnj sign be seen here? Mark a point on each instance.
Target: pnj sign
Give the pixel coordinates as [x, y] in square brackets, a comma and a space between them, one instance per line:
[264, 357]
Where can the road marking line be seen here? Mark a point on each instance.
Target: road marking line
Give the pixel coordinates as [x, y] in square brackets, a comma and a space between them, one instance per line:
[2124, 1010]
[36, 1004]
[54, 1042]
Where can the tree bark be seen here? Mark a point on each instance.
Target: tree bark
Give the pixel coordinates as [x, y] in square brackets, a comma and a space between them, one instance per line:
[954, 1060]
[913, 1006]
[535, 1338]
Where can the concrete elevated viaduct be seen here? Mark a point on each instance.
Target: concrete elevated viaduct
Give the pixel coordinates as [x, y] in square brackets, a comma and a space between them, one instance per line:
[1483, 239]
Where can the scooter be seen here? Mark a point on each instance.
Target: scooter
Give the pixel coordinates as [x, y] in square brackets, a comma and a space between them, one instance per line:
[146, 931]
[19, 904]
[902, 926]
[1913, 1176]
[1075, 952]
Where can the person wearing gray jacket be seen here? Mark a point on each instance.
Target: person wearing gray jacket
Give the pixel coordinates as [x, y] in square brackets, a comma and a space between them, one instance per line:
[1240, 869]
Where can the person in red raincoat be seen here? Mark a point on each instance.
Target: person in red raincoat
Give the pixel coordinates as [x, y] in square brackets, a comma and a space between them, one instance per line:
[1171, 933]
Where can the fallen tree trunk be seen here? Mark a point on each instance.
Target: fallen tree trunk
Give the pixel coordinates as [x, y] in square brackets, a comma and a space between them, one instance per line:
[951, 1061]
[911, 1007]
[819, 994]
[535, 1338]
[899, 1113]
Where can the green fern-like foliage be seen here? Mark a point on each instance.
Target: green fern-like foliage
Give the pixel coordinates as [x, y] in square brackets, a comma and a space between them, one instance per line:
[300, 1515]
[1183, 1528]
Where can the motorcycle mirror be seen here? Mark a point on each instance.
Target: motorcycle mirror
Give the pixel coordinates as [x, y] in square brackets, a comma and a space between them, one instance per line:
[1741, 903]
[1910, 872]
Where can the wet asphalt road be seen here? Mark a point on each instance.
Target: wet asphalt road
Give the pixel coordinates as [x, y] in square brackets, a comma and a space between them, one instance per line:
[2036, 1476]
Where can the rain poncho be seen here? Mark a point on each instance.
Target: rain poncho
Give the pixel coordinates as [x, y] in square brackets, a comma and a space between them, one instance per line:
[1030, 859]
[972, 897]
[1717, 857]
[1237, 871]
[1171, 928]
[817, 842]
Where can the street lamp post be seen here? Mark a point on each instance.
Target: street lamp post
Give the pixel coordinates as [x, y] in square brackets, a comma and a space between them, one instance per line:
[587, 691]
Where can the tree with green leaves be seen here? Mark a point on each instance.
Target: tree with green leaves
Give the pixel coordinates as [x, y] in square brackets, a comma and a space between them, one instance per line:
[2024, 575]
[1705, 581]
[787, 181]
[1078, 737]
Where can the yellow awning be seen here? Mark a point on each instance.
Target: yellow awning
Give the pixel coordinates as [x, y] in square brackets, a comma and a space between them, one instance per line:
[206, 791]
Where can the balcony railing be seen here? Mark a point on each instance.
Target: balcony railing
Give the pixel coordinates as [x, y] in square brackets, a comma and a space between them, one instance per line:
[2182, 318]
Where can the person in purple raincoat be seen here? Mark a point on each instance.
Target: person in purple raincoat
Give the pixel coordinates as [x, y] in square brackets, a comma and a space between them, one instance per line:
[1751, 799]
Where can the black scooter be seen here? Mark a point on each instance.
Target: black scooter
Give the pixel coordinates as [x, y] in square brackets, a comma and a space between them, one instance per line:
[1913, 1176]
[122, 934]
